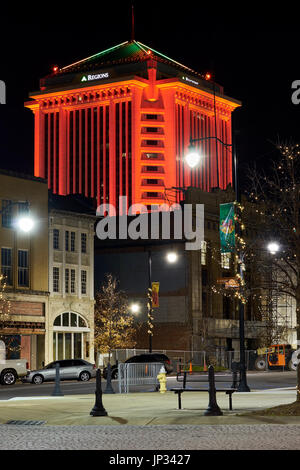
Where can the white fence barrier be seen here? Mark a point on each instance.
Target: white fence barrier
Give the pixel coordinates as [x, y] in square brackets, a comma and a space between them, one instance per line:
[182, 359]
[134, 374]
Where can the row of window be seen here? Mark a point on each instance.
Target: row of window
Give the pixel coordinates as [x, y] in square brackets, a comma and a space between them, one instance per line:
[70, 281]
[7, 266]
[69, 241]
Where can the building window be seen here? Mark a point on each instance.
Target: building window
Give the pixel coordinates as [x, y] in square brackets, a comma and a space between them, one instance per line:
[23, 268]
[83, 242]
[67, 240]
[6, 213]
[67, 281]
[70, 335]
[55, 279]
[23, 208]
[83, 282]
[203, 252]
[73, 241]
[225, 260]
[6, 265]
[73, 281]
[56, 239]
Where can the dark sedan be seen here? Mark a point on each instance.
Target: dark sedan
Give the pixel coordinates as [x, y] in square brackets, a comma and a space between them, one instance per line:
[153, 357]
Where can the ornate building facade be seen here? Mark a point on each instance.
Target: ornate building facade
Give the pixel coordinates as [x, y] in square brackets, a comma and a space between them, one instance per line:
[119, 123]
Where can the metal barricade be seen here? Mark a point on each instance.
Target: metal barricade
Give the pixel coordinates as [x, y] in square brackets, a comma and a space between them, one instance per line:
[134, 374]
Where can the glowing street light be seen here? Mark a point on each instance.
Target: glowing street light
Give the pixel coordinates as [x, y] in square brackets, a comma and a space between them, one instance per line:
[273, 247]
[193, 157]
[25, 224]
[135, 308]
[172, 257]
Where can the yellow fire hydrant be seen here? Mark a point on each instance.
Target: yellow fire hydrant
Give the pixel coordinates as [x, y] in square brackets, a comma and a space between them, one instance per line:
[162, 380]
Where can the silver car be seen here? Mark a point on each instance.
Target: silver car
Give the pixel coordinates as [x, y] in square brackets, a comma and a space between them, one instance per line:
[69, 369]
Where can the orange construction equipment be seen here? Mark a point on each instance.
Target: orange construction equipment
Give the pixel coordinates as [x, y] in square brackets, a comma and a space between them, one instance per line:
[204, 367]
[191, 367]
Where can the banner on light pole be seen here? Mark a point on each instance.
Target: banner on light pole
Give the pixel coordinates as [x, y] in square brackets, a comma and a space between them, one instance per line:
[227, 227]
[155, 291]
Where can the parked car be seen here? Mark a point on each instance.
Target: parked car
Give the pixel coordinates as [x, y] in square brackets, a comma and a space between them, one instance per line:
[69, 369]
[151, 357]
[12, 369]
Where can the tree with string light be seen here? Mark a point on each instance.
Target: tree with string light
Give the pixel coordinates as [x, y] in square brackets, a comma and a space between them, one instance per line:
[276, 195]
[114, 325]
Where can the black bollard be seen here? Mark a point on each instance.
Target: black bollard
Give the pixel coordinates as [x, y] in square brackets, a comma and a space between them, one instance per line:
[98, 409]
[57, 391]
[108, 388]
[213, 408]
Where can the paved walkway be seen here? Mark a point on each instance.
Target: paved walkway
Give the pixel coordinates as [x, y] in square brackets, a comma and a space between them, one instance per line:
[148, 421]
[159, 438]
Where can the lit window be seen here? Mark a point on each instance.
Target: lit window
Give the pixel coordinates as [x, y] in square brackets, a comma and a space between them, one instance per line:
[225, 260]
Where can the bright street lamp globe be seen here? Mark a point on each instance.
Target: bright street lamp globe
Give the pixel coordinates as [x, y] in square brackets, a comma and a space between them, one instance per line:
[192, 158]
[172, 257]
[25, 224]
[135, 308]
[273, 247]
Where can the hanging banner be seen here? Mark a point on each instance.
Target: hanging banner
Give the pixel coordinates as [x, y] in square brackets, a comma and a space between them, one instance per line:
[155, 298]
[227, 227]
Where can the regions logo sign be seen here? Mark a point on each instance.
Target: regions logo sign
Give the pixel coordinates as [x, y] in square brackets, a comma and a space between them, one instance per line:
[98, 76]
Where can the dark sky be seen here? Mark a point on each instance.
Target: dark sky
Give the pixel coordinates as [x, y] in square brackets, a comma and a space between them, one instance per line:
[253, 52]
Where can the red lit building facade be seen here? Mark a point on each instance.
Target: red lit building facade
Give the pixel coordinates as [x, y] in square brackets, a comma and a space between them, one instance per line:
[119, 123]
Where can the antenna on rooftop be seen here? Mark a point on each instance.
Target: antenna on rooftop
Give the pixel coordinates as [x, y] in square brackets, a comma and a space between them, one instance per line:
[132, 22]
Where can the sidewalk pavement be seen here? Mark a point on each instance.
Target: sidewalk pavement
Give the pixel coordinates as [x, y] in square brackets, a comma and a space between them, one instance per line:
[148, 408]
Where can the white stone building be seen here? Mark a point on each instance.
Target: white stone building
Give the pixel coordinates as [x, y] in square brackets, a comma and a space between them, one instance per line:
[70, 323]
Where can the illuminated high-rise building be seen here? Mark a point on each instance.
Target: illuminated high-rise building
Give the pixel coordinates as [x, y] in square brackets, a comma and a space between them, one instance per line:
[120, 122]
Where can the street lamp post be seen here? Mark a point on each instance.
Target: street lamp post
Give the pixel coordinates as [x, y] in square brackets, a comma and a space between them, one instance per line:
[243, 387]
[149, 301]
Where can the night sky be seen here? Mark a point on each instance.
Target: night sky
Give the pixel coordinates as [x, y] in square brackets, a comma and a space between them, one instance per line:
[254, 54]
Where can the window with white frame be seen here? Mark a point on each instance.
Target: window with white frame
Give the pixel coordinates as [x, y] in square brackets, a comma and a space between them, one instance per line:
[55, 279]
[23, 268]
[73, 241]
[67, 240]
[55, 239]
[67, 281]
[83, 242]
[73, 281]
[83, 282]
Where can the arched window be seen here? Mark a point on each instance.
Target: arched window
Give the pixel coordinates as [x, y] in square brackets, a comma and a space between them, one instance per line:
[70, 336]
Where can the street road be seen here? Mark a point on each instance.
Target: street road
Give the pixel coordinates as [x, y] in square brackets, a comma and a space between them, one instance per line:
[256, 381]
